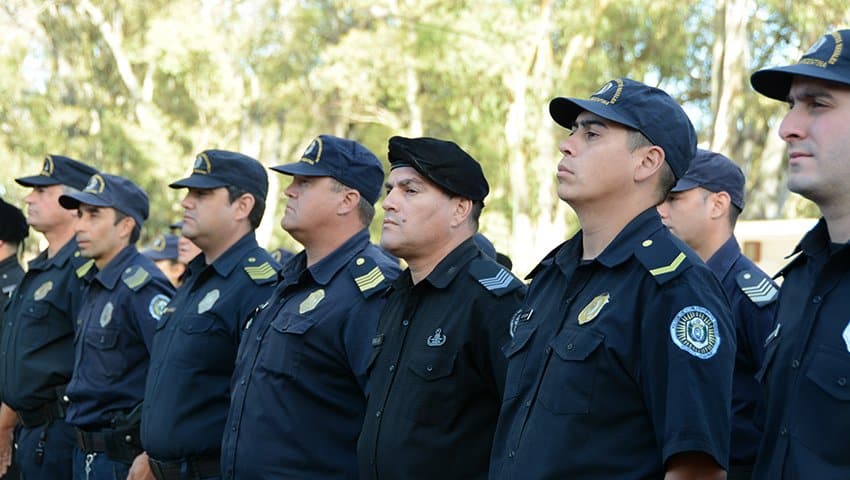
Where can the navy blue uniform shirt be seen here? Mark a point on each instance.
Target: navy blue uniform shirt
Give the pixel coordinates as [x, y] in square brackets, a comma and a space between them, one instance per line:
[11, 275]
[112, 347]
[806, 369]
[617, 363]
[194, 350]
[37, 350]
[298, 390]
[437, 371]
[752, 297]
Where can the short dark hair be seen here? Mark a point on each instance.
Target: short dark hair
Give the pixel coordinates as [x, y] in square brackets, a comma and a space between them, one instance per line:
[365, 210]
[734, 213]
[256, 215]
[475, 213]
[666, 177]
[137, 229]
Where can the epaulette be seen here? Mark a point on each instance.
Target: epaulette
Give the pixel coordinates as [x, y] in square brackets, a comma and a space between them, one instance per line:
[81, 264]
[368, 276]
[494, 277]
[135, 277]
[662, 256]
[260, 272]
[757, 287]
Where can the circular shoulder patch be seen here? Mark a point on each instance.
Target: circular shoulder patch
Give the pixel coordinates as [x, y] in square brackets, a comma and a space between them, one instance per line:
[694, 330]
[157, 306]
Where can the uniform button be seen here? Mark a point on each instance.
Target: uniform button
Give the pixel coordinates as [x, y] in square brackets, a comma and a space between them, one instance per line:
[429, 369]
[795, 364]
[405, 323]
[842, 382]
[65, 399]
[128, 439]
[512, 454]
[783, 431]
[816, 299]
[528, 403]
[233, 428]
[378, 414]
[548, 350]
[392, 368]
[242, 382]
[570, 346]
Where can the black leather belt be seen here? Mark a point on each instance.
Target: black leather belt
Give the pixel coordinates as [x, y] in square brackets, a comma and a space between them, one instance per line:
[118, 445]
[186, 468]
[42, 415]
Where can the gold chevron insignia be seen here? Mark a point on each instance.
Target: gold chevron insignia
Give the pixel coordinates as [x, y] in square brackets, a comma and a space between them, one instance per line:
[369, 280]
[260, 272]
[669, 268]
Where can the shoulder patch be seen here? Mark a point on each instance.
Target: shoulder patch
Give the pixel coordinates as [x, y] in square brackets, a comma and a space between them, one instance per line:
[368, 276]
[83, 269]
[662, 257]
[757, 287]
[135, 277]
[261, 272]
[493, 277]
[694, 329]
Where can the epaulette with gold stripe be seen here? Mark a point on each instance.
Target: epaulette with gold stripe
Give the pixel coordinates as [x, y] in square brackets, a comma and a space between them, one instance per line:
[83, 269]
[662, 257]
[135, 277]
[261, 272]
[368, 276]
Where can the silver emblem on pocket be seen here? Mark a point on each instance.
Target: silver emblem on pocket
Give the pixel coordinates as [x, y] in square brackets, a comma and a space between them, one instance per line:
[437, 339]
[208, 301]
[106, 314]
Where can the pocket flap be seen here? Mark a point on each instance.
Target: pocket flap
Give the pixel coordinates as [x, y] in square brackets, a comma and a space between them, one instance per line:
[830, 370]
[293, 323]
[35, 309]
[433, 367]
[102, 339]
[576, 345]
[197, 323]
[520, 338]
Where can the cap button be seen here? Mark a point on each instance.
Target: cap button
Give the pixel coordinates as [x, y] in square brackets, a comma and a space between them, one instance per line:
[360, 261]
[647, 243]
[747, 276]
[252, 259]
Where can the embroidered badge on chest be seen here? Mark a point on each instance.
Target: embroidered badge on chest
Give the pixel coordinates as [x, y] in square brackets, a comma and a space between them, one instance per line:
[694, 329]
[311, 301]
[43, 290]
[208, 301]
[106, 314]
[438, 339]
[592, 309]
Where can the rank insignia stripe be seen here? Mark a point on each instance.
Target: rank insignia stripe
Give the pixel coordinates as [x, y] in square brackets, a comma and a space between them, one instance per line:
[263, 271]
[669, 268]
[493, 277]
[758, 288]
[370, 280]
[84, 268]
[135, 278]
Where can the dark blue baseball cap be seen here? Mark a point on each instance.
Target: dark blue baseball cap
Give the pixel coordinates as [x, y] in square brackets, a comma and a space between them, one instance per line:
[59, 170]
[13, 224]
[221, 168]
[163, 247]
[715, 173]
[442, 162]
[828, 59]
[347, 161]
[112, 191]
[649, 110]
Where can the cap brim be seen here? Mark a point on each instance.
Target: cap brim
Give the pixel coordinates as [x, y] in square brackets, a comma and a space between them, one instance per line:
[71, 201]
[565, 111]
[156, 255]
[775, 83]
[684, 184]
[302, 168]
[198, 182]
[37, 181]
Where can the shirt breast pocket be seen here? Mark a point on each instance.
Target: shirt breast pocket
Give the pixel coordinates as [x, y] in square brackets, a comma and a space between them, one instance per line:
[821, 427]
[106, 357]
[200, 337]
[433, 386]
[284, 344]
[517, 356]
[567, 385]
[35, 328]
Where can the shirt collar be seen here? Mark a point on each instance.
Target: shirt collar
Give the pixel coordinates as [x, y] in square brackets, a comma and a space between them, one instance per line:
[325, 269]
[449, 267]
[815, 241]
[41, 262]
[113, 270]
[721, 262]
[228, 260]
[620, 249]
[8, 263]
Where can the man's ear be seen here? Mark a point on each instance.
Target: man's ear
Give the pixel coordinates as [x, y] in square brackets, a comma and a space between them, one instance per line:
[350, 201]
[462, 209]
[244, 204]
[720, 202]
[650, 160]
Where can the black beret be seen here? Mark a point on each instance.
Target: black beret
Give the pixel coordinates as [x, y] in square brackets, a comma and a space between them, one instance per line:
[13, 224]
[441, 162]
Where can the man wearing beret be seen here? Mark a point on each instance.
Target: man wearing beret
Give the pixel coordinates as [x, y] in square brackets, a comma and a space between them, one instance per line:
[620, 365]
[165, 254]
[188, 385]
[36, 349]
[436, 372]
[305, 352]
[702, 210]
[806, 369]
[125, 296]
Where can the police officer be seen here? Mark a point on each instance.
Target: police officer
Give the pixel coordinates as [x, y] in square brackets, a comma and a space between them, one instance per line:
[304, 356]
[36, 350]
[807, 359]
[188, 386]
[437, 372]
[186, 250]
[125, 295]
[164, 252]
[621, 363]
[13, 231]
[702, 210]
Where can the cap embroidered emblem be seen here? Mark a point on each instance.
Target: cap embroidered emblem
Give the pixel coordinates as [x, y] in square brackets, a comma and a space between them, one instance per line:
[437, 339]
[202, 164]
[313, 154]
[96, 184]
[47, 169]
[609, 93]
[592, 309]
[836, 51]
